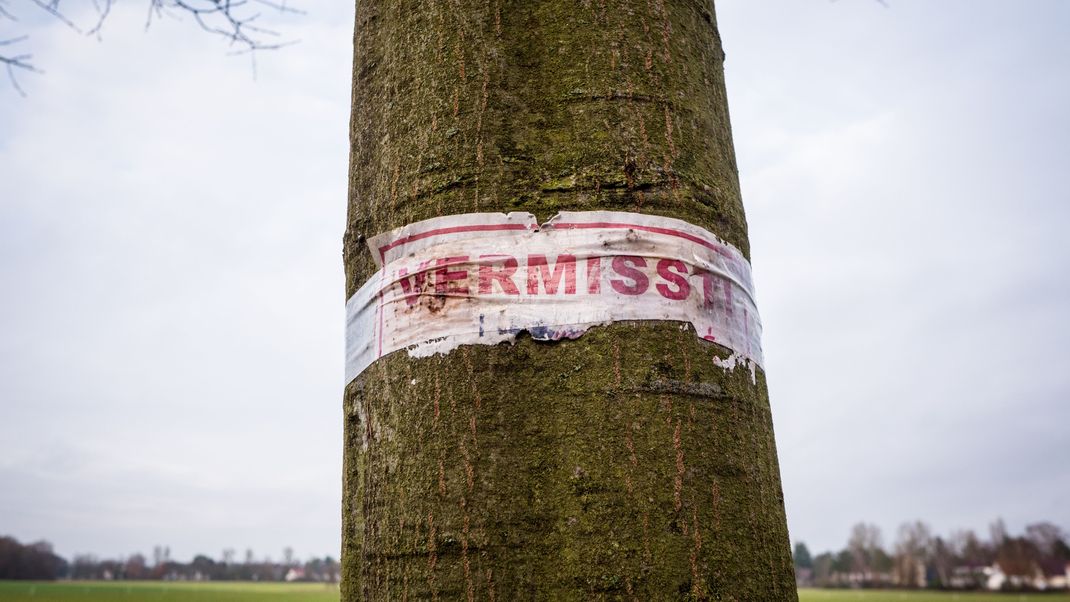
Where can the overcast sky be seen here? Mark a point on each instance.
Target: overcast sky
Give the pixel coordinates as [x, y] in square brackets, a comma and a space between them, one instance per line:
[172, 307]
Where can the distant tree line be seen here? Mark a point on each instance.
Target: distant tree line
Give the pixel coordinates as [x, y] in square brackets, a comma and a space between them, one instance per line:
[37, 561]
[29, 561]
[1036, 560]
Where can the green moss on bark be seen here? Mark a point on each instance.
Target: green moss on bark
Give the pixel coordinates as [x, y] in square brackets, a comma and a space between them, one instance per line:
[624, 464]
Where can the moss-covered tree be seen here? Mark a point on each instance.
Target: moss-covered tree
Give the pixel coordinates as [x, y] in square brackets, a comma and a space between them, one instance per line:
[624, 463]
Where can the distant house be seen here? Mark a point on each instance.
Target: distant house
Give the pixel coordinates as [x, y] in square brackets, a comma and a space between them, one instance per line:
[1045, 576]
[968, 576]
[1056, 574]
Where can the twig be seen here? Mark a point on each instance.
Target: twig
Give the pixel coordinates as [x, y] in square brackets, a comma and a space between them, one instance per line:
[52, 8]
[18, 61]
[234, 20]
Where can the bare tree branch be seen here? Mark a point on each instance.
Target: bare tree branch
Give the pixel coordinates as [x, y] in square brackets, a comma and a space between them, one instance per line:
[52, 8]
[103, 10]
[237, 21]
[18, 61]
[230, 19]
[4, 13]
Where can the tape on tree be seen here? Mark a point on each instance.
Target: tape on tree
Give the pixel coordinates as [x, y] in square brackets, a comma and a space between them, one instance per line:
[483, 278]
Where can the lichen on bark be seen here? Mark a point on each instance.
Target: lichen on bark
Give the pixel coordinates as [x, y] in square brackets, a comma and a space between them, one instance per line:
[624, 464]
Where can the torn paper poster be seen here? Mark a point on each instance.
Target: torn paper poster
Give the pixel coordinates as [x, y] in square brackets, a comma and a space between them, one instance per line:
[483, 278]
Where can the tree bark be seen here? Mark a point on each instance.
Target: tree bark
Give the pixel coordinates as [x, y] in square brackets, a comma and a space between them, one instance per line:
[623, 464]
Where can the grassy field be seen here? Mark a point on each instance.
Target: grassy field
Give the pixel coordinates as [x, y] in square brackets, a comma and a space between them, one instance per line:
[286, 592]
[132, 591]
[823, 595]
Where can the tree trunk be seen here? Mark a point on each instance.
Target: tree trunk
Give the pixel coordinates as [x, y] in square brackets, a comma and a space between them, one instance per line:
[621, 464]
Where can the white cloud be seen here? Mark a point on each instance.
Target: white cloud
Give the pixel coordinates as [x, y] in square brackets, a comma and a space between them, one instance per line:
[172, 338]
[905, 216]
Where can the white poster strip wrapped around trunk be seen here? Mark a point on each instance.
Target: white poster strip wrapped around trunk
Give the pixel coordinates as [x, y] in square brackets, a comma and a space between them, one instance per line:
[483, 278]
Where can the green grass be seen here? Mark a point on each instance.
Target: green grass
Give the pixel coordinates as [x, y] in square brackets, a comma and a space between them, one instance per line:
[135, 591]
[823, 595]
